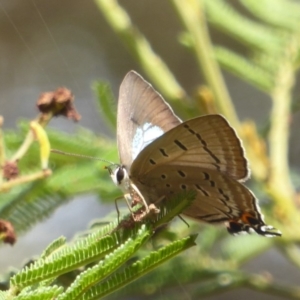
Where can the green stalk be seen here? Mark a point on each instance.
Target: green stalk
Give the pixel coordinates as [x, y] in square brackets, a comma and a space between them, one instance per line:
[263, 283]
[153, 65]
[192, 16]
[280, 185]
[2, 150]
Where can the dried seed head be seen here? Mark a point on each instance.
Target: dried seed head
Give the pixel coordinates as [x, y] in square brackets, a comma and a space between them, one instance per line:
[7, 232]
[10, 170]
[59, 102]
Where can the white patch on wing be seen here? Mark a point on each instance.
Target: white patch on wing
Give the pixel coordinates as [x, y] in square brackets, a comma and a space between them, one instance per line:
[144, 136]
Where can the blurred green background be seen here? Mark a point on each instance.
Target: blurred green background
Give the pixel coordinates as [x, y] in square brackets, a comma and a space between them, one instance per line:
[47, 44]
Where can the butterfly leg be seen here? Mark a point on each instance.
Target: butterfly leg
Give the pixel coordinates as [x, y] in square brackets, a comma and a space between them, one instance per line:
[179, 216]
[127, 198]
[141, 198]
[183, 220]
[117, 208]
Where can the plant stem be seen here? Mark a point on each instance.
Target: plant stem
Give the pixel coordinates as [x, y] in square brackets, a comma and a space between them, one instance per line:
[6, 186]
[280, 185]
[2, 150]
[43, 120]
[265, 284]
[230, 280]
[292, 253]
[153, 65]
[191, 13]
[29, 139]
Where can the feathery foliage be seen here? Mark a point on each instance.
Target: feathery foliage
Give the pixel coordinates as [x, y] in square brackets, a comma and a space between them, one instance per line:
[112, 256]
[101, 253]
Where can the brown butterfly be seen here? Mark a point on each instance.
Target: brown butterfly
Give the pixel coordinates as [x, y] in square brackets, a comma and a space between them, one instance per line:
[162, 156]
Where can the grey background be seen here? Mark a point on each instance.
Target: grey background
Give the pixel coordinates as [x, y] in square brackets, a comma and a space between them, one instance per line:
[47, 44]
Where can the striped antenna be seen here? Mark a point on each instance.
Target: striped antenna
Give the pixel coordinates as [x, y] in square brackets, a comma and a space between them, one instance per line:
[80, 156]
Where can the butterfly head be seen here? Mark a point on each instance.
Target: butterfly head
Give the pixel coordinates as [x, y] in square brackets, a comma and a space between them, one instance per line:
[119, 176]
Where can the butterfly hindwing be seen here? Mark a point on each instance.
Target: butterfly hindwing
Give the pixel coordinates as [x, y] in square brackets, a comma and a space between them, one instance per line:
[219, 198]
[205, 142]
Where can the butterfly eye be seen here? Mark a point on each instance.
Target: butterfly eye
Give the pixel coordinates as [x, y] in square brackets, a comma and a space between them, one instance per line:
[120, 175]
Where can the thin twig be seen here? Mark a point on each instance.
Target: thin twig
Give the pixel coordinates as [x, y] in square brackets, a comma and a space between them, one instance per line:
[280, 185]
[192, 15]
[43, 120]
[154, 66]
[6, 186]
[230, 280]
[292, 253]
[2, 150]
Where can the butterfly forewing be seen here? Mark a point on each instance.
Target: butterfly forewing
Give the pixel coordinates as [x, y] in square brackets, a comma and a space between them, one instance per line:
[143, 115]
[205, 142]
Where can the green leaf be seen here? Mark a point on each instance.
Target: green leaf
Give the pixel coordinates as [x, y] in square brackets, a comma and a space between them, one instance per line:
[110, 263]
[280, 13]
[107, 102]
[59, 242]
[3, 295]
[223, 16]
[29, 203]
[68, 258]
[140, 268]
[243, 67]
[174, 206]
[44, 293]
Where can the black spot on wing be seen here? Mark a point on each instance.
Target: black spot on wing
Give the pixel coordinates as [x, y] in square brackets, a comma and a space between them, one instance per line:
[189, 129]
[152, 162]
[202, 190]
[223, 194]
[181, 173]
[202, 141]
[180, 145]
[206, 177]
[204, 145]
[134, 121]
[163, 152]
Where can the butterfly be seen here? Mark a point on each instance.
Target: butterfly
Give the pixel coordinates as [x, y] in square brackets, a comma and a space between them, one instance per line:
[161, 156]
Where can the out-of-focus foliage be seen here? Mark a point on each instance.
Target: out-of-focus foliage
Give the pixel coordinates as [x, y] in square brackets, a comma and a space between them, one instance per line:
[271, 34]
